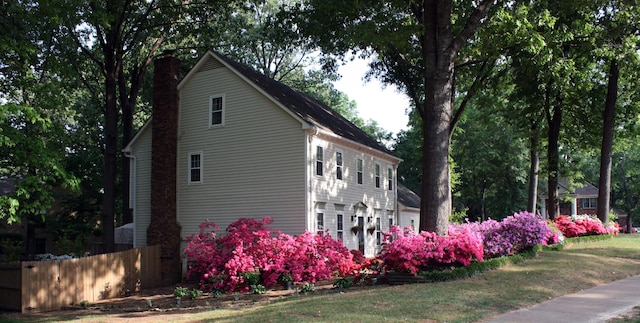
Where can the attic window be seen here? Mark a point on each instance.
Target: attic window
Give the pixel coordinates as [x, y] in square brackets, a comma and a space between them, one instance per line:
[216, 111]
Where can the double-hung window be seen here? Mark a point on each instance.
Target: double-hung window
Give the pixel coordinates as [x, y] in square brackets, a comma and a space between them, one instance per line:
[195, 168]
[320, 222]
[359, 169]
[378, 233]
[340, 226]
[377, 170]
[339, 165]
[588, 203]
[216, 111]
[319, 161]
[390, 178]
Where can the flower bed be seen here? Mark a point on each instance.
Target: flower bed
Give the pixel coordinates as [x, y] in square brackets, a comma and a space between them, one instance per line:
[224, 263]
[583, 225]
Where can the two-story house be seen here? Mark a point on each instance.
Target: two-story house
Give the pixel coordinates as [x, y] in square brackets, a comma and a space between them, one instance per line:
[227, 142]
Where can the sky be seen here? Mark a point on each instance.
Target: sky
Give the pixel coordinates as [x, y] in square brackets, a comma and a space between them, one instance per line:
[386, 106]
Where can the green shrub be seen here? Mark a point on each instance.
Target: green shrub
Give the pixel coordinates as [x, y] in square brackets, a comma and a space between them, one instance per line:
[12, 249]
[343, 283]
[180, 292]
[194, 293]
[257, 289]
[307, 288]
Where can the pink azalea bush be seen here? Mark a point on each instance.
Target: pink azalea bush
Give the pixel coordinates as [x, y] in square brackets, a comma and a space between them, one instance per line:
[583, 225]
[407, 251]
[514, 234]
[250, 246]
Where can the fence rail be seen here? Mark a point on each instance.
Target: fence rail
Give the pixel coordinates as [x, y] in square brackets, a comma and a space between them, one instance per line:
[40, 286]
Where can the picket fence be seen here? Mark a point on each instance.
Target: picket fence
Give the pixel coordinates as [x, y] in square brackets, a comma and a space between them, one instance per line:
[41, 286]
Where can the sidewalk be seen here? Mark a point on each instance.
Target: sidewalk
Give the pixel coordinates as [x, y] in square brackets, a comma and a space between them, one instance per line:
[597, 304]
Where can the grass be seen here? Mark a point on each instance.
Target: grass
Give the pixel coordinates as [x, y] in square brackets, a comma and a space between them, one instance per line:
[551, 274]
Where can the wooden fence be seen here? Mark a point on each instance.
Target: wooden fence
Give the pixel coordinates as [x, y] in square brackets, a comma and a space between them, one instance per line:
[40, 286]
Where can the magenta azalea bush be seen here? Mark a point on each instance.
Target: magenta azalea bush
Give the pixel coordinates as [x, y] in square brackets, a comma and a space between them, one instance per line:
[514, 234]
[249, 246]
[583, 225]
[407, 251]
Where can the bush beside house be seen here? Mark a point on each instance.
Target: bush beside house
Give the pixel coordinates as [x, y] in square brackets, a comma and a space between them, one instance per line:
[251, 249]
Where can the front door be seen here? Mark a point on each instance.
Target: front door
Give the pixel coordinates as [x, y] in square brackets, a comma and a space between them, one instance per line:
[361, 233]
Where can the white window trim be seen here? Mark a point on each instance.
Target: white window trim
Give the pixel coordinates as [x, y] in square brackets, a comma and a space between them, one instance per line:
[198, 153]
[340, 231]
[377, 176]
[224, 109]
[341, 166]
[390, 178]
[360, 171]
[321, 161]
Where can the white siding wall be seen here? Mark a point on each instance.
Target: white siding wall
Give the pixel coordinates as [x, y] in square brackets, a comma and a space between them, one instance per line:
[254, 166]
[407, 215]
[327, 189]
[141, 194]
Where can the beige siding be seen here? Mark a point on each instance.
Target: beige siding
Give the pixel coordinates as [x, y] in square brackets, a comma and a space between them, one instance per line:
[141, 195]
[328, 189]
[253, 166]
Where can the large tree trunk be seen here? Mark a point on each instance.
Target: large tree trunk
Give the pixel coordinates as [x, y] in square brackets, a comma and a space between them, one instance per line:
[553, 159]
[437, 112]
[604, 185]
[127, 134]
[630, 204]
[110, 157]
[534, 160]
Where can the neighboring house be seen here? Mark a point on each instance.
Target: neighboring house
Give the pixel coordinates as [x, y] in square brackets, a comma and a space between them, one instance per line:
[576, 199]
[246, 146]
[409, 205]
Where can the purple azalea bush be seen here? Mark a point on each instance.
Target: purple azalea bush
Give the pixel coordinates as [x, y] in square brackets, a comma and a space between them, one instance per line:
[514, 234]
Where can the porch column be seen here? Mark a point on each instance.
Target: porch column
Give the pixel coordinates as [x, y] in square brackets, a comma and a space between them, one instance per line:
[574, 206]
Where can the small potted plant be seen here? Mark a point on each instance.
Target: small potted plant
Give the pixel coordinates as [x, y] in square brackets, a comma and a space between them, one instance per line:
[356, 228]
[287, 281]
[371, 230]
[179, 293]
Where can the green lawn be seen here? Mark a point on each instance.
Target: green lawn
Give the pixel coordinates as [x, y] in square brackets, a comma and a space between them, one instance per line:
[551, 274]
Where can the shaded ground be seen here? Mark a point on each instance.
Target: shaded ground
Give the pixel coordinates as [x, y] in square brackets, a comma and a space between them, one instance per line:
[161, 304]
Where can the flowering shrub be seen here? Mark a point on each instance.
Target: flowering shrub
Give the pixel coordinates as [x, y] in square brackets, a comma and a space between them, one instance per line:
[222, 263]
[514, 234]
[411, 252]
[583, 225]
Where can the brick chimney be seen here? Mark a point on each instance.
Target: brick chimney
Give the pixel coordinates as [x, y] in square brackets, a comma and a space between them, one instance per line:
[164, 229]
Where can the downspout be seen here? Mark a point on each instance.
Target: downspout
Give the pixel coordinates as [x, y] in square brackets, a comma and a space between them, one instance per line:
[396, 213]
[310, 132]
[132, 192]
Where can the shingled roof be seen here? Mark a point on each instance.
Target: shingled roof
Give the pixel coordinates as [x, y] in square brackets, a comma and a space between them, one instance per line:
[306, 107]
[407, 197]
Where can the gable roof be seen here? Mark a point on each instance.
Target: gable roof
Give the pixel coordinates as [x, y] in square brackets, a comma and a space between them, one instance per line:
[300, 105]
[407, 197]
[579, 189]
[307, 108]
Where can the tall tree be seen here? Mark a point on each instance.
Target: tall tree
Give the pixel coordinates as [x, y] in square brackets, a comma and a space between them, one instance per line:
[33, 117]
[120, 38]
[417, 44]
[618, 27]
